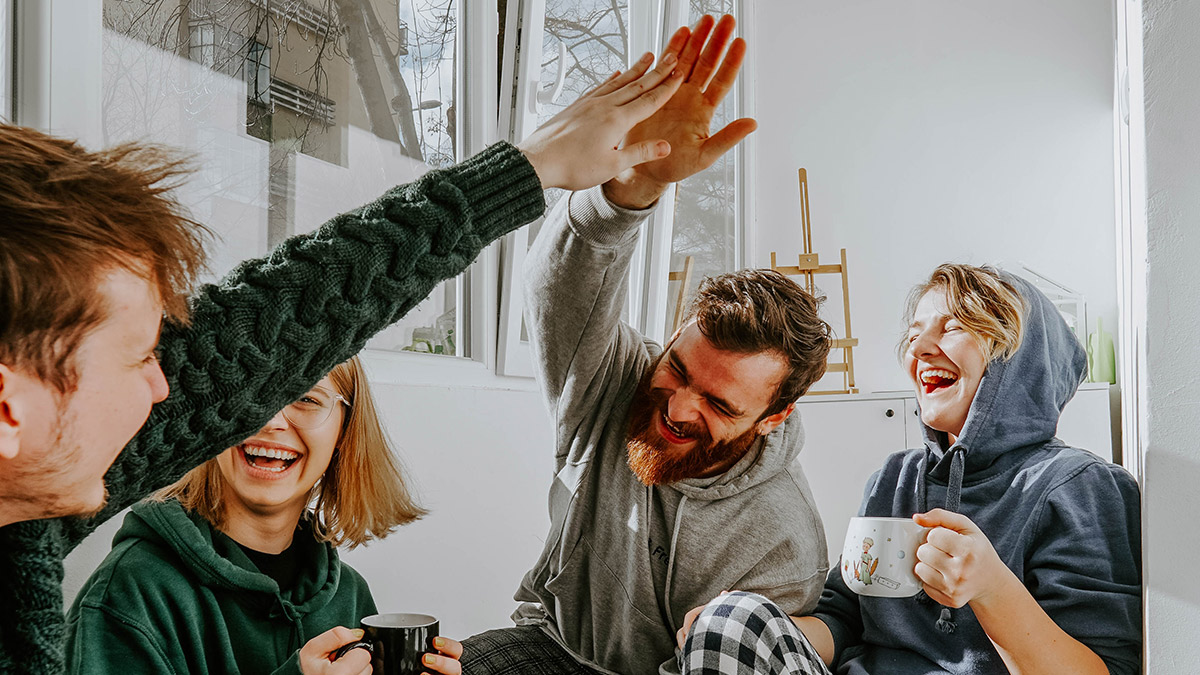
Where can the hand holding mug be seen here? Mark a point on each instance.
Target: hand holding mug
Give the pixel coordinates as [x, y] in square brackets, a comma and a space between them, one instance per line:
[317, 656]
[957, 563]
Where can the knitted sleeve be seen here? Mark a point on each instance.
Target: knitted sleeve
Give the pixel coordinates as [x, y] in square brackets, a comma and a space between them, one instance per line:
[273, 327]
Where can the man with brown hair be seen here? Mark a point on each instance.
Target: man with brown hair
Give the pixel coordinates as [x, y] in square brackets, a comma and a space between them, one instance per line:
[94, 251]
[675, 476]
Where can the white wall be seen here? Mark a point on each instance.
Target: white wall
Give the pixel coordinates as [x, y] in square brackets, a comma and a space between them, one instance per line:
[481, 462]
[935, 130]
[1172, 457]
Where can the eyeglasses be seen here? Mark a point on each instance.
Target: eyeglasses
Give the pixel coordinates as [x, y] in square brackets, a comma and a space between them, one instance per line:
[314, 408]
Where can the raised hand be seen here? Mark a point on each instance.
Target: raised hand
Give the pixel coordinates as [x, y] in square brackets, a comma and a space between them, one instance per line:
[581, 147]
[709, 72]
[957, 562]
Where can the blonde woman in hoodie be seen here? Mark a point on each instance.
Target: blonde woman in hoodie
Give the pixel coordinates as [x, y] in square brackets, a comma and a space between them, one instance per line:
[234, 568]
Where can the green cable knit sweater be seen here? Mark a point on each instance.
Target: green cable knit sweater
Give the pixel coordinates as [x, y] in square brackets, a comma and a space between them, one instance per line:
[260, 339]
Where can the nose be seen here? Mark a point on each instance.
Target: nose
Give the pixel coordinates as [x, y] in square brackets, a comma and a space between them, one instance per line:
[924, 345]
[158, 383]
[276, 423]
[683, 406]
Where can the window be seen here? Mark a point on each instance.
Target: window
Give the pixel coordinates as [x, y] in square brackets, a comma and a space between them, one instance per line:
[294, 112]
[707, 219]
[579, 44]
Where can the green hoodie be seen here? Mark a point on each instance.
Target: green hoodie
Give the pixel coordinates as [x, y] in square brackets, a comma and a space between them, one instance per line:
[177, 596]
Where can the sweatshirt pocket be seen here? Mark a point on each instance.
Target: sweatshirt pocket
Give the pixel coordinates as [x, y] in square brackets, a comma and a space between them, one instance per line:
[598, 613]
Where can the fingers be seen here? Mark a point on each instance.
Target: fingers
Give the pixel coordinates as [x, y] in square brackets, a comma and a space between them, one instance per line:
[934, 557]
[948, 519]
[619, 79]
[710, 58]
[677, 42]
[688, 620]
[355, 662]
[640, 153]
[442, 664]
[328, 642]
[724, 140]
[931, 577]
[723, 81]
[451, 648]
[646, 83]
[695, 43]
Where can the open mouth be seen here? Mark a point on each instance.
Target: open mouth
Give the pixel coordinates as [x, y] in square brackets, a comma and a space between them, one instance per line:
[935, 379]
[272, 461]
[671, 432]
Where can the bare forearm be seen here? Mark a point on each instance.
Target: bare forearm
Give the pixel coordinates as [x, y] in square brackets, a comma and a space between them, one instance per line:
[818, 634]
[1028, 640]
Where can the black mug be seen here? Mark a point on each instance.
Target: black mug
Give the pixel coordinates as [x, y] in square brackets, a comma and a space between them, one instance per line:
[397, 642]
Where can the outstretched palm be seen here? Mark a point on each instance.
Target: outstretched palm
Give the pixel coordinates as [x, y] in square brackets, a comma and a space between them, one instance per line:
[685, 121]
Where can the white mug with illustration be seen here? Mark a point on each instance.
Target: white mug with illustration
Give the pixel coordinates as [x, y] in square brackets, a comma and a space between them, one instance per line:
[879, 556]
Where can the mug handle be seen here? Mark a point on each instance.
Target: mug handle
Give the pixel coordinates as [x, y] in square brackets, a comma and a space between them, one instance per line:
[345, 649]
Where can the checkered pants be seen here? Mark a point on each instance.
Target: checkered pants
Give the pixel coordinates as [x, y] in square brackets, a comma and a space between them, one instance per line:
[744, 634]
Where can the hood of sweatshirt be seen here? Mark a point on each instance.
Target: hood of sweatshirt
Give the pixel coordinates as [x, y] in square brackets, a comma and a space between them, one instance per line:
[1018, 402]
[216, 561]
[767, 457]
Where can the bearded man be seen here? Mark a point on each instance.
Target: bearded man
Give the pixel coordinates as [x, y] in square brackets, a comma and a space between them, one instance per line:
[675, 476]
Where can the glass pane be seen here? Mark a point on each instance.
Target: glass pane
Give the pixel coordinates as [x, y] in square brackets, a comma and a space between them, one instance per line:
[707, 224]
[294, 112]
[596, 36]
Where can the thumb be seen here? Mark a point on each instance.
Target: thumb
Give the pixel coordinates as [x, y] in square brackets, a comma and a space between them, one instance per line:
[947, 519]
[330, 640]
[640, 153]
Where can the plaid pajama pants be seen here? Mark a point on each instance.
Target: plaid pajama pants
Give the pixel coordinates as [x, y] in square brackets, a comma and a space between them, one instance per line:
[744, 634]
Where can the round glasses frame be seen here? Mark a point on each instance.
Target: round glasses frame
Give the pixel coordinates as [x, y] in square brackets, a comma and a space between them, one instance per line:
[309, 411]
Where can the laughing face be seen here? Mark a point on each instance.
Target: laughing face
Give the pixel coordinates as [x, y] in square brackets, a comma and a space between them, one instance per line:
[945, 364]
[699, 408]
[276, 468]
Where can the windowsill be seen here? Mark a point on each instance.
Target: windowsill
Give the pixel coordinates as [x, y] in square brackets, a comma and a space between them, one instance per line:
[427, 370]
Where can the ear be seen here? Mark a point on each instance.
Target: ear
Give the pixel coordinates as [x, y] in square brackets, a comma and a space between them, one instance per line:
[768, 424]
[10, 418]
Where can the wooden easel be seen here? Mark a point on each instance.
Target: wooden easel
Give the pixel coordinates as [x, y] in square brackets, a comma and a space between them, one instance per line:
[685, 278]
[809, 266]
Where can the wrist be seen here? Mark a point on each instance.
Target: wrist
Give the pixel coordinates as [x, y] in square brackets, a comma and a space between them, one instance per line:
[1006, 587]
[633, 192]
[538, 164]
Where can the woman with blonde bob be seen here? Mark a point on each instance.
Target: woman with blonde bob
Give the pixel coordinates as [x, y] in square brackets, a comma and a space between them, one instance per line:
[234, 568]
[1031, 562]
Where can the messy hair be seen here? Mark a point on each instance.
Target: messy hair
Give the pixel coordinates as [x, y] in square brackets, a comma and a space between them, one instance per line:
[988, 306]
[70, 217]
[363, 494]
[760, 310]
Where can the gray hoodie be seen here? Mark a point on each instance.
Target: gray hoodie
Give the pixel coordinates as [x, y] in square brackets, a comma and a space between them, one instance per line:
[624, 562]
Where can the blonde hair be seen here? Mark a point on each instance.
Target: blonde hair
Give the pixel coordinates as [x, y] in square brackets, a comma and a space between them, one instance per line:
[362, 495]
[988, 306]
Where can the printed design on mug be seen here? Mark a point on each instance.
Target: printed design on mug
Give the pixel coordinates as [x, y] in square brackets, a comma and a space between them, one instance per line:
[866, 567]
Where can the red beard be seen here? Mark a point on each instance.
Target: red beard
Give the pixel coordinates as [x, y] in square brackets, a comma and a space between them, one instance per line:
[651, 457]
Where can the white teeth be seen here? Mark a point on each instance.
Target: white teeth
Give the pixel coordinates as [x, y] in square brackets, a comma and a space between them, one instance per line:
[269, 453]
[937, 373]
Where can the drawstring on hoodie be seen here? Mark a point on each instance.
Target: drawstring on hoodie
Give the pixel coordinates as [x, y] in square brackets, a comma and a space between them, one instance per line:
[671, 562]
[945, 623]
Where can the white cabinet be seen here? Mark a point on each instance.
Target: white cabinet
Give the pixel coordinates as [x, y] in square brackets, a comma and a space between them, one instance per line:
[846, 439]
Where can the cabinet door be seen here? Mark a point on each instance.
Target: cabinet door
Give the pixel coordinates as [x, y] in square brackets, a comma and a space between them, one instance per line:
[845, 442]
[914, 430]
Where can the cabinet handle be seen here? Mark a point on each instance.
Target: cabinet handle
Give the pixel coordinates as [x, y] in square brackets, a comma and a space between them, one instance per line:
[889, 412]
